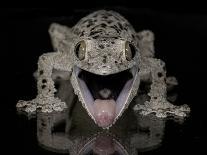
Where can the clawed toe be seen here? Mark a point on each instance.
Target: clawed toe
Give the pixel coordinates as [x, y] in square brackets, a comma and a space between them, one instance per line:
[162, 109]
[41, 105]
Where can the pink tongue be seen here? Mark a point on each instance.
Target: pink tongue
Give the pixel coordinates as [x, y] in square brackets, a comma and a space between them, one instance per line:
[104, 112]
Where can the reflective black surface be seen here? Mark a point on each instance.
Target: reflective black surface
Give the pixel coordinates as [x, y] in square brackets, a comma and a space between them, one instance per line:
[181, 38]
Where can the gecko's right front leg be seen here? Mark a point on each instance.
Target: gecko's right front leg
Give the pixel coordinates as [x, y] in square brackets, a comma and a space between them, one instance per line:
[45, 100]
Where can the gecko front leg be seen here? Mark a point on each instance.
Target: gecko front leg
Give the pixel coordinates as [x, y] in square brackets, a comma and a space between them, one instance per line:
[45, 100]
[158, 103]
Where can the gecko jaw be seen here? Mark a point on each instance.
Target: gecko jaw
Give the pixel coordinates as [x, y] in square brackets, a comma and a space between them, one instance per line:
[105, 96]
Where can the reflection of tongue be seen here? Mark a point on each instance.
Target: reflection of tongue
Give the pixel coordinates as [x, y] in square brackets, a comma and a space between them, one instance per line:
[104, 145]
[104, 112]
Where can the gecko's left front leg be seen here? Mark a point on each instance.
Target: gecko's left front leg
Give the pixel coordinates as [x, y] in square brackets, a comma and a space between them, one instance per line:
[45, 100]
[158, 103]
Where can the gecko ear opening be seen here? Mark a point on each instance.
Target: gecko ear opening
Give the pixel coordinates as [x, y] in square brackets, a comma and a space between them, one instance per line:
[59, 34]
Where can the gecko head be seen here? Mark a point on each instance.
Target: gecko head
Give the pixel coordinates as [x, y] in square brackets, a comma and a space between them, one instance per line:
[105, 77]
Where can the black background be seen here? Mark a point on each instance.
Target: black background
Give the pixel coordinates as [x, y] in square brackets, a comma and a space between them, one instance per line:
[181, 41]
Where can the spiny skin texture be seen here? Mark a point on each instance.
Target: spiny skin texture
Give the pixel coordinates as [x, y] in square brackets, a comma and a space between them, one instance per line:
[103, 37]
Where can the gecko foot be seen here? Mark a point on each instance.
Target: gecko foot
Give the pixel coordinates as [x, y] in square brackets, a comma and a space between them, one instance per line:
[162, 108]
[45, 105]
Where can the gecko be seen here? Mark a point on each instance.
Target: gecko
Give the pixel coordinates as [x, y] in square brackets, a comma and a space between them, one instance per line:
[105, 60]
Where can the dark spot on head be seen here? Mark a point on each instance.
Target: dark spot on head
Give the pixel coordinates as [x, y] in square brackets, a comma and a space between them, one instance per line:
[159, 74]
[155, 97]
[116, 62]
[126, 26]
[101, 46]
[103, 39]
[113, 42]
[41, 72]
[104, 59]
[43, 86]
[97, 26]
[82, 33]
[120, 26]
[118, 19]
[94, 32]
[103, 25]
[93, 28]
[109, 21]
[115, 28]
[90, 23]
[104, 17]
[91, 63]
[95, 37]
[44, 81]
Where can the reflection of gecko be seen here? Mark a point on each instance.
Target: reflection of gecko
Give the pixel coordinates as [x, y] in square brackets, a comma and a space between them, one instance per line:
[106, 59]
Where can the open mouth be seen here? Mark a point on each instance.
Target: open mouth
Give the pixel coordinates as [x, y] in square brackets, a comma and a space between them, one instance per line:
[105, 96]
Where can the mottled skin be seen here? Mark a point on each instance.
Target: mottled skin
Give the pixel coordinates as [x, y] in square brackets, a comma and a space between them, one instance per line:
[105, 34]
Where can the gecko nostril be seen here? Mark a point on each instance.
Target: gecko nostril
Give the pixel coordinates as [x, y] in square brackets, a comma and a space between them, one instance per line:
[101, 46]
[105, 67]
[104, 59]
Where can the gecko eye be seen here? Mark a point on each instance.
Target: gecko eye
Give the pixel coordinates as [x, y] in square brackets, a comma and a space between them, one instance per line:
[80, 50]
[129, 51]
